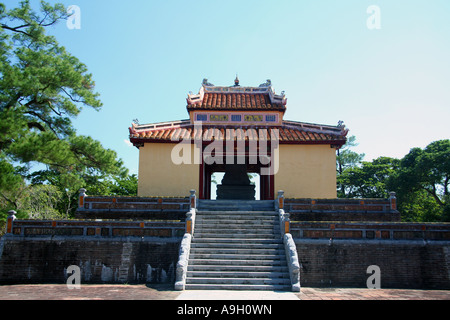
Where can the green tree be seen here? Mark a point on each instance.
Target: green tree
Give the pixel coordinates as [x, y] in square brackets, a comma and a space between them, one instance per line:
[420, 179]
[370, 180]
[125, 186]
[346, 159]
[118, 186]
[422, 182]
[42, 88]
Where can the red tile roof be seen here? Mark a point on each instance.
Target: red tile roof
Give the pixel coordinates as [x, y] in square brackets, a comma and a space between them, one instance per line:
[289, 133]
[236, 101]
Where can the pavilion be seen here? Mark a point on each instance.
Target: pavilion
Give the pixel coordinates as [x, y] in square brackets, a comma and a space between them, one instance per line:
[237, 130]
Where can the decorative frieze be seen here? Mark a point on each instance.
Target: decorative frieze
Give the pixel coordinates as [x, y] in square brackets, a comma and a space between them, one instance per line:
[238, 118]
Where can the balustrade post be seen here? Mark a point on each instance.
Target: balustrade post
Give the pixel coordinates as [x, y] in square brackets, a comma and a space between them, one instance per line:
[10, 221]
[81, 198]
[280, 199]
[190, 217]
[287, 223]
[193, 199]
[393, 200]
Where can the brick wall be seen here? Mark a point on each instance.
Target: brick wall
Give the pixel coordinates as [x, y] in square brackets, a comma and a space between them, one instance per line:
[411, 264]
[339, 263]
[101, 260]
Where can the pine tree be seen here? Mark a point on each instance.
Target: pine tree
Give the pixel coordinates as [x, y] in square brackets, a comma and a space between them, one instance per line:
[42, 88]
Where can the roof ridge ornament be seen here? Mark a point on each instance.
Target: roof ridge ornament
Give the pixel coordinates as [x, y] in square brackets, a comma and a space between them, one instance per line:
[267, 84]
[344, 130]
[206, 83]
[236, 81]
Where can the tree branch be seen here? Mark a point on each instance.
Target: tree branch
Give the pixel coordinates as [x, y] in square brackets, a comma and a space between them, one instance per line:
[34, 124]
[434, 195]
[70, 96]
[4, 26]
[9, 200]
[446, 182]
[49, 124]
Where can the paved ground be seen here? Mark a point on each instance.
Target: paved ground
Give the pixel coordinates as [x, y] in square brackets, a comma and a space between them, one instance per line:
[161, 292]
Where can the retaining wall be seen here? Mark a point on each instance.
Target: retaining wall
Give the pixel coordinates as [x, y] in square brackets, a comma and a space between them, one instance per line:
[410, 264]
[409, 255]
[331, 253]
[105, 251]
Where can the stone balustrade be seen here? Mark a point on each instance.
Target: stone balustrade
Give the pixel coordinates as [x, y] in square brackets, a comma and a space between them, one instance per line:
[370, 230]
[91, 228]
[120, 207]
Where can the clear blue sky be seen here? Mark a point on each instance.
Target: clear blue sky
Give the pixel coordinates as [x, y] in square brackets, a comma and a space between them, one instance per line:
[390, 86]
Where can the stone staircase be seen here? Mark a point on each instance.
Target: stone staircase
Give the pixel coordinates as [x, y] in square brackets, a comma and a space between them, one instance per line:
[237, 246]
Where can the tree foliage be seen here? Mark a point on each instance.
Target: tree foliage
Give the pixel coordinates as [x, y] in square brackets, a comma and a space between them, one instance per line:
[346, 159]
[369, 180]
[42, 88]
[420, 179]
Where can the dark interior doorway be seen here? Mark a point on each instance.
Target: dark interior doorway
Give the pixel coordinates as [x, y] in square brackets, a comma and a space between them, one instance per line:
[264, 184]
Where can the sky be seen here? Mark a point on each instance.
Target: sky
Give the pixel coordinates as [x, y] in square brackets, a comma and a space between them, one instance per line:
[390, 85]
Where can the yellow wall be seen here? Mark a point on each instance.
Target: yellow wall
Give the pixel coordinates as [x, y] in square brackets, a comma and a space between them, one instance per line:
[159, 176]
[307, 171]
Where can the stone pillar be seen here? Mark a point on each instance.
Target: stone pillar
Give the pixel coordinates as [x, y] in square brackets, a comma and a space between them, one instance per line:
[280, 199]
[10, 221]
[393, 200]
[189, 222]
[81, 198]
[192, 199]
[287, 223]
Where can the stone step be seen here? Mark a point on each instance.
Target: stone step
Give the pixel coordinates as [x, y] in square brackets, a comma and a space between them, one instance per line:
[236, 287]
[240, 251]
[254, 240]
[247, 227]
[208, 235]
[257, 281]
[243, 245]
[237, 268]
[218, 223]
[238, 222]
[235, 231]
[237, 274]
[236, 216]
[231, 221]
[251, 205]
[235, 262]
[224, 256]
[235, 213]
[237, 246]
